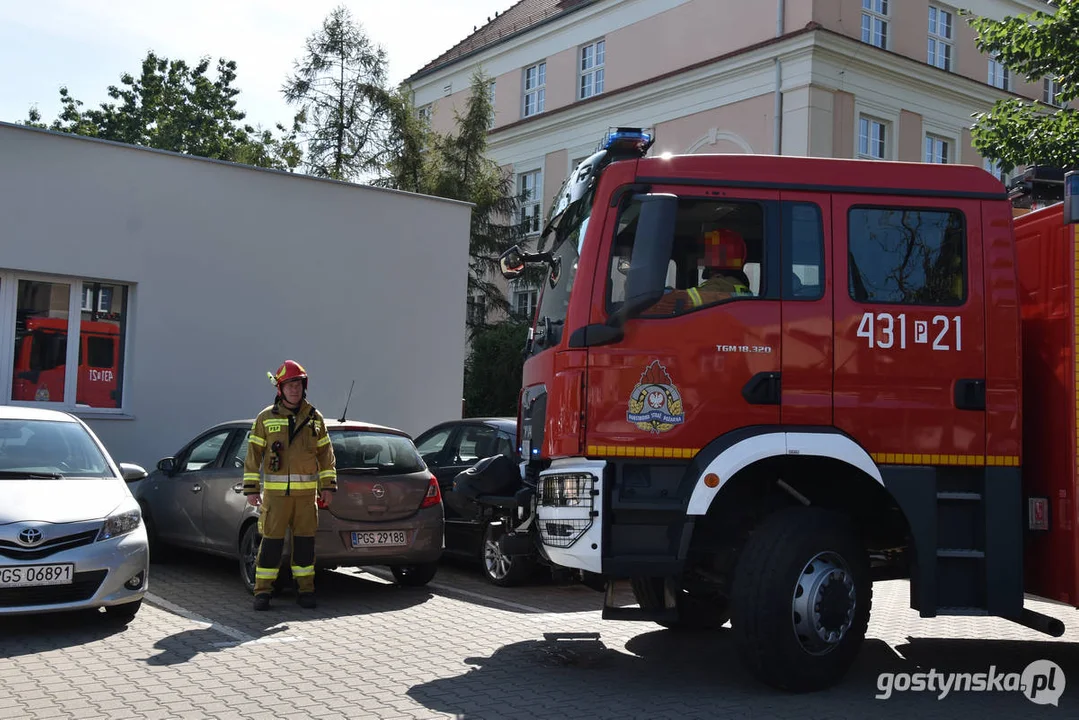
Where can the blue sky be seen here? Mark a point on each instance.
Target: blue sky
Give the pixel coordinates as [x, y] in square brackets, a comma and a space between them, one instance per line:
[87, 44]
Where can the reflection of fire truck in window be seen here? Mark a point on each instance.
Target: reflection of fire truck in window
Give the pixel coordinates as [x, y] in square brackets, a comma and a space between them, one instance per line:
[41, 355]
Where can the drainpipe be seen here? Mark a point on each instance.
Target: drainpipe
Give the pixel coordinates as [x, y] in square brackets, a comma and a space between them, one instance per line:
[777, 129]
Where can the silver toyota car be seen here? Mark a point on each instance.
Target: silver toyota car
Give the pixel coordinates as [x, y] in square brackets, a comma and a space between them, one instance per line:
[71, 533]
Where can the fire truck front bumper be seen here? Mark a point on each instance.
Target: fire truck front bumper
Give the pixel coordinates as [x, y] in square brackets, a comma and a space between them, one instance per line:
[569, 513]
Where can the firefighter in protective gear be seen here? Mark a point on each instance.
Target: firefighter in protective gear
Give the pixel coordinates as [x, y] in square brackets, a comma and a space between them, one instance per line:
[289, 449]
[724, 255]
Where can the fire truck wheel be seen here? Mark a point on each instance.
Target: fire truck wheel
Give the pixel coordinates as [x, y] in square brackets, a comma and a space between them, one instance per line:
[801, 599]
[694, 613]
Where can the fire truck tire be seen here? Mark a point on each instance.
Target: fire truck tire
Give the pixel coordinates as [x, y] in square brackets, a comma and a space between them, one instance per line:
[801, 599]
[693, 613]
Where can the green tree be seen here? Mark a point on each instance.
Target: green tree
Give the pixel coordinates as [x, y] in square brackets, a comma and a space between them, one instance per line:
[173, 106]
[493, 370]
[340, 87]
[1036, 45]
[455, 165]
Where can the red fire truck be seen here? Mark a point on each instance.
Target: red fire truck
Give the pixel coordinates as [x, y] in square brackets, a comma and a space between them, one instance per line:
[41, 357]
[883, 386]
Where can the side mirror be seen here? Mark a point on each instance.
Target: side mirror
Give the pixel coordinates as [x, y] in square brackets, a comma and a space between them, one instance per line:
[132, 473]
[512, 263]
[647, 276]
[167, 465]
[556, 271]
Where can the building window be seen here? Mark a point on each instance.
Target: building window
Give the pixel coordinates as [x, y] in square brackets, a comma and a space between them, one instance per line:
[524, 302]
[996, 169]
[940, 38]
[872, 138]
[53, 334]
[1051, 91]
[529, 187]
[937, 149]
[875, 22]
[535, 89]
[592, 71]
[999, 77]
[424, 114]
[906, 256]
[476, 311]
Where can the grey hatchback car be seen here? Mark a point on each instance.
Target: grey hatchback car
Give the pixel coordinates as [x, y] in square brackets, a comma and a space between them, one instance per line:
[387, 509]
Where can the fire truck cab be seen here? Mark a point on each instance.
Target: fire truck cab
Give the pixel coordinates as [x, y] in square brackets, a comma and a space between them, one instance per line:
[756, 384]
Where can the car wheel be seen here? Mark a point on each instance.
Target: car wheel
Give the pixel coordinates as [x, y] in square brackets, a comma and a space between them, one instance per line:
[249, 550]
[500, 569]
[123, 614]
[414, 575]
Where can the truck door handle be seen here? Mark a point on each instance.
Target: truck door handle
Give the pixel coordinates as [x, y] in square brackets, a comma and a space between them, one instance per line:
[196, 488]
[764, 388]
[970, 394]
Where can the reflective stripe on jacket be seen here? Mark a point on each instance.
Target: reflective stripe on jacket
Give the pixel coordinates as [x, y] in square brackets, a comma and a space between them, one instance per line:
[305, 460]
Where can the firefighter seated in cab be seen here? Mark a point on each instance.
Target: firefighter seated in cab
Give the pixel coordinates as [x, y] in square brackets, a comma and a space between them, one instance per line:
[724, 258]
[290, 449]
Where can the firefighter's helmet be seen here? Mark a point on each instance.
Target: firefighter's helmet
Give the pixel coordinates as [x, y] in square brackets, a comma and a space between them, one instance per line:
[724, 250]
[289, 370]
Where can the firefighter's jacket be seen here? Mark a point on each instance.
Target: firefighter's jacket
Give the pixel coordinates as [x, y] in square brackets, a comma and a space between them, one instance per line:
[304, 462]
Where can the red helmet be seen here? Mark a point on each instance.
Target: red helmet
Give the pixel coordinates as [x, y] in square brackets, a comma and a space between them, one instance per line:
[724, 250]
[289, 370]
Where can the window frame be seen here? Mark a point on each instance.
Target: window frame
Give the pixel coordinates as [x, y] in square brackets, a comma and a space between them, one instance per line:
[881, 17]
[786, 252]
[539, 90]
[996, 68]
[886, 127]
[946, 143]
[215, 464]
[591, 71]
[964, 224]
[536, 201]
[9, 283]
[946, 41]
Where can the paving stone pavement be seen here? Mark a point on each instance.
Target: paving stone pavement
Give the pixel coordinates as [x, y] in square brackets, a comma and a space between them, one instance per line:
[461, 648]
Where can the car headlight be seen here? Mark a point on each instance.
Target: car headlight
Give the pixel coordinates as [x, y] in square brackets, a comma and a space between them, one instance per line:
[120, 524]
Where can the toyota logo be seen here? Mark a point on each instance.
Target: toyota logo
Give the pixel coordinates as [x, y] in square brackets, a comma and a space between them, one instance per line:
[30, 537]
[378, 491]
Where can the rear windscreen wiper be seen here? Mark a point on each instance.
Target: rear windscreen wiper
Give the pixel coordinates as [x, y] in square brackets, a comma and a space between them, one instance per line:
[26, 475]
[359, 470]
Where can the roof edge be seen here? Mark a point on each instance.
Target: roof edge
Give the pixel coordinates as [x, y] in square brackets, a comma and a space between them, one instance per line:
[227, 163]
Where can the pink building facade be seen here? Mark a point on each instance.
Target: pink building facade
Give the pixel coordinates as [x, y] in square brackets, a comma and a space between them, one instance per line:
[889, 79]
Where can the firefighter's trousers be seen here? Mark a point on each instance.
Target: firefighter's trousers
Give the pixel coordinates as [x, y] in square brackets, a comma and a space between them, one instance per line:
[280, 513]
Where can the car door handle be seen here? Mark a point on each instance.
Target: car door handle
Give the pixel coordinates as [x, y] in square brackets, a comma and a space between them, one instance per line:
[196, 488]
[238, 488]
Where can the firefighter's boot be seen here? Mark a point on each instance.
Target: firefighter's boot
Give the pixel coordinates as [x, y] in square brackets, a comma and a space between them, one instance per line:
[262, 601]
[306, 600]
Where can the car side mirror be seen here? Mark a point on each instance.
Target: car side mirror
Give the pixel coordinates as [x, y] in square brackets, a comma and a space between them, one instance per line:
[512, 263]
[167, 465]
[131, 472]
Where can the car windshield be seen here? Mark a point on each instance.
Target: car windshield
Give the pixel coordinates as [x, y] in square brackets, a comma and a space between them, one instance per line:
[31, 449]
[374, 452]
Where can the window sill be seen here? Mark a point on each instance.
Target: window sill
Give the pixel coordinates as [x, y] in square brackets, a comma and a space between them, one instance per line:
[90, 414]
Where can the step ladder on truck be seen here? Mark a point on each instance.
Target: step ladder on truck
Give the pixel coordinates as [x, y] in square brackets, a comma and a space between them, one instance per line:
[754, 385]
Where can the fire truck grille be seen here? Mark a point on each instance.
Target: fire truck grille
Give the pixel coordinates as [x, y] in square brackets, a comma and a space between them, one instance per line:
[83, 588]
[18, 552]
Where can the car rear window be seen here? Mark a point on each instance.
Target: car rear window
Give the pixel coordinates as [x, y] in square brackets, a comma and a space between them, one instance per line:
[385, 453]
[36, 446]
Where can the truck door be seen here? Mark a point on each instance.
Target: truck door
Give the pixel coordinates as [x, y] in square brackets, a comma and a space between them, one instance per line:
[807, 309]
[910, 328]
[695, 365]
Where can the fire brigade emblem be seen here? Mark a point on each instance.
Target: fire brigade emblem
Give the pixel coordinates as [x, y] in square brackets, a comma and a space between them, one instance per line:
[655, 404]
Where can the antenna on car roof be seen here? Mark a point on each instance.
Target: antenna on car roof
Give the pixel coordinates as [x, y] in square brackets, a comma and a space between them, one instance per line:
[343, 412]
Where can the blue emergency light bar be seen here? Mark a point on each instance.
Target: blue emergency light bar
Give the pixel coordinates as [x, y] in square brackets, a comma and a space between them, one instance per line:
[1071, 197]
[630, 142]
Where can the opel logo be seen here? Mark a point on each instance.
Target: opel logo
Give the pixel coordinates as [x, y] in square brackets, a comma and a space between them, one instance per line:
[30, 537]
[378, 491]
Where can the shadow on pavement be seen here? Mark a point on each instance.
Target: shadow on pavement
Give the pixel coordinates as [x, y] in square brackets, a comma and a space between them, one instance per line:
[669, 674]
[31, 634]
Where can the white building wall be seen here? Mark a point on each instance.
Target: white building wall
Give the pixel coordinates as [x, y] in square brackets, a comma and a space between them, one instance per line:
[233, 270]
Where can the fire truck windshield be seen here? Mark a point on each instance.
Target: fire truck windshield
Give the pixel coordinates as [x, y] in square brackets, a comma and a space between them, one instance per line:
[568, 229]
